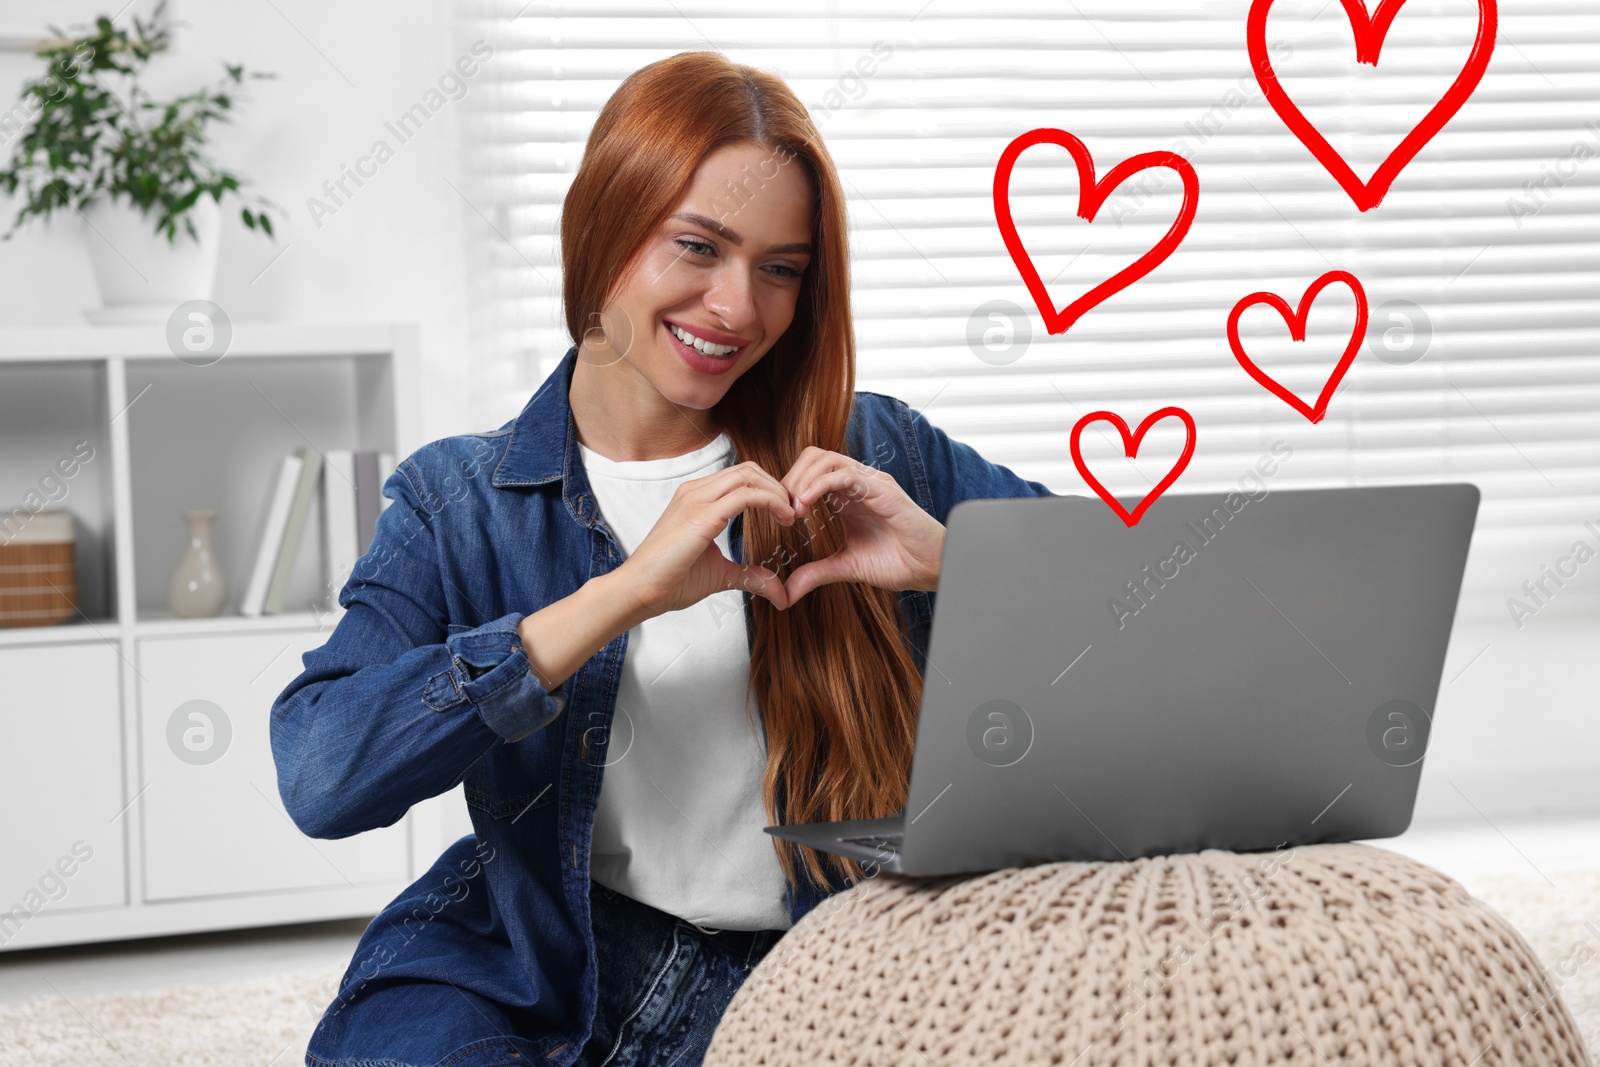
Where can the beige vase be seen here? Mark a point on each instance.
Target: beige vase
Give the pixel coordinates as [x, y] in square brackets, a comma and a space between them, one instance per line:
[198, 588]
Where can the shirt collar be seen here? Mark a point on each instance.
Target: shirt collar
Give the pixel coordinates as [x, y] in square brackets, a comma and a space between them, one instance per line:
[543, 447]
[543, 439]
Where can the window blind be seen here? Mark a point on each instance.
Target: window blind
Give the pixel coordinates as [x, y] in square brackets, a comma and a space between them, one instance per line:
[1480, 361]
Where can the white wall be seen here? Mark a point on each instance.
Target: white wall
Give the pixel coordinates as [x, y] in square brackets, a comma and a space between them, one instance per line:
[393, 251]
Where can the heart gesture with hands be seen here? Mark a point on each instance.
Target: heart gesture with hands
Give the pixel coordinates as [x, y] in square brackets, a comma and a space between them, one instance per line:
[889, 541]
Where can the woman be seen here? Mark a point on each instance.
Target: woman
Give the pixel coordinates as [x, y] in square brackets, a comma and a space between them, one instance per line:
[570, 599]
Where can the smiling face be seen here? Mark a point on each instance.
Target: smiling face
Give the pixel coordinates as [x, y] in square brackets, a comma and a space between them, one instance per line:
[716, 284]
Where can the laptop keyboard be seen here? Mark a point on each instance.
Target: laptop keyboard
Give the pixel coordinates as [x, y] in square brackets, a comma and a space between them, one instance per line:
[885, 842]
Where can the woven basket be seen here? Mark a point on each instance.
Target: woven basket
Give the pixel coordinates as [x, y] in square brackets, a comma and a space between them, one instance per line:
[38, 572]
[1326, 954]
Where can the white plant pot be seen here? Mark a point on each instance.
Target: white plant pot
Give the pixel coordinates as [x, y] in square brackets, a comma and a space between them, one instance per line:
[141, 277]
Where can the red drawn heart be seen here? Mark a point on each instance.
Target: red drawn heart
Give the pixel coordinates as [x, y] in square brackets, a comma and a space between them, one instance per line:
[1297, 330]
[1091, 195]
[1130, 448]
[1369, 31]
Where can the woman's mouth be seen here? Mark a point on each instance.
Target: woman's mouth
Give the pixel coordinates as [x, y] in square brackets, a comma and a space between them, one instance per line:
[701, 353]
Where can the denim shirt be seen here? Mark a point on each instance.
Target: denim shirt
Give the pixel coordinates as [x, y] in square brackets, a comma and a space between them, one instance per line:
[424, 684]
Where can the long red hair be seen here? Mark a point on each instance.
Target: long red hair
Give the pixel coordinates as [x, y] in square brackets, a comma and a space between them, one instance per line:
[833, 675]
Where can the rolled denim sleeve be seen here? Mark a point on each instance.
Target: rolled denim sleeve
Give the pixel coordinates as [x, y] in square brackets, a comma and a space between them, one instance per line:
[400, 701]
[951, 471]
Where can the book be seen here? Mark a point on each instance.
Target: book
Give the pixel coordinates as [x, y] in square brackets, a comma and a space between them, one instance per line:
[341, 545]
[368, 494]
[272, 528]
[294, 530]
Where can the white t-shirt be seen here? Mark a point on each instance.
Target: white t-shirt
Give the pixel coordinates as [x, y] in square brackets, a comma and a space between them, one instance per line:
[679, 819]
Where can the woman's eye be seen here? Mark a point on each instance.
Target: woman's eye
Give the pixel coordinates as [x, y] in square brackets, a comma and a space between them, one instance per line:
[706, 250]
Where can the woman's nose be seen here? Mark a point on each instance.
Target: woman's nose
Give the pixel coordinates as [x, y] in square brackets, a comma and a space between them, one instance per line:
[732, 298]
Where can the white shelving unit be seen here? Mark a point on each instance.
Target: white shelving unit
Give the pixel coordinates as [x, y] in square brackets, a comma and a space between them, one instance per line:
[108, 834]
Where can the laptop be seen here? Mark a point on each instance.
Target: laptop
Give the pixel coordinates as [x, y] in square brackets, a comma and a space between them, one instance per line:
[1233, 672]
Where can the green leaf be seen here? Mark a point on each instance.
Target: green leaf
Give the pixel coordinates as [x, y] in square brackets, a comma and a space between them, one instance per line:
[89, 134]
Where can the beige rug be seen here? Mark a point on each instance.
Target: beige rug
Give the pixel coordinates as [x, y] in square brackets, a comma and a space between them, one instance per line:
[1562, 924]
[267, 1022]
[263, 1022]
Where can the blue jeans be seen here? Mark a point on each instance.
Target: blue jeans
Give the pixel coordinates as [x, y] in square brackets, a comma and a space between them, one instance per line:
[663, 985]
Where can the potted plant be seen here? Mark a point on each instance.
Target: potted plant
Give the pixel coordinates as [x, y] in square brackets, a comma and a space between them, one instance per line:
[93, 143]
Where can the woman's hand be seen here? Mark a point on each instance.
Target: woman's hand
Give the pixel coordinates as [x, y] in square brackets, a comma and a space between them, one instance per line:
[889, 541]
[678, 563]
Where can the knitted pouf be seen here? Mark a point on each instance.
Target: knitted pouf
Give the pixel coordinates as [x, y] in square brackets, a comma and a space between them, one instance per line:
[1318, 955]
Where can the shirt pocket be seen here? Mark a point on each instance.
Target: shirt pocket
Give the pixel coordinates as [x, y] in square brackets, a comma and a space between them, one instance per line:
[506, 785]
[510, 780]
[918, 607]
